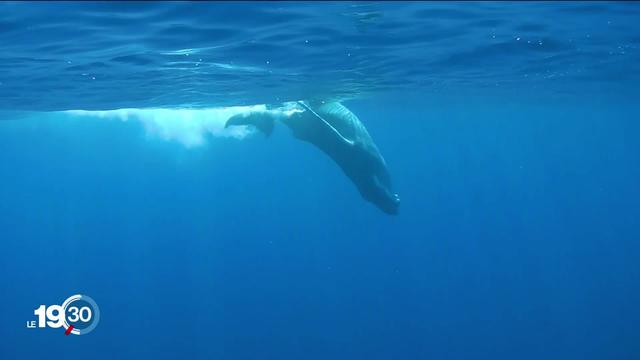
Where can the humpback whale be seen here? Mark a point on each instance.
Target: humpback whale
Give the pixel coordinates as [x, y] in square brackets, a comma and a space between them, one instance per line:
[338, 132]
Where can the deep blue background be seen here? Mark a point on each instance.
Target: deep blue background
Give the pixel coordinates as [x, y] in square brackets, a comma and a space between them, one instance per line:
[514, 149]
[517, 237]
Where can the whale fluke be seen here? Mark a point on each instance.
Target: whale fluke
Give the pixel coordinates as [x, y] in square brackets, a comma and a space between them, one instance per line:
[263, 121]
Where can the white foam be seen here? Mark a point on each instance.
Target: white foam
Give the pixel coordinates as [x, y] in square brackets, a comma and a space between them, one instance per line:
[190, 127]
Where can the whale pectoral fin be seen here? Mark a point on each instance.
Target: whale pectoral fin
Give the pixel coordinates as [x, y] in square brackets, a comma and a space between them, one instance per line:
[329, 126]
[261, 121]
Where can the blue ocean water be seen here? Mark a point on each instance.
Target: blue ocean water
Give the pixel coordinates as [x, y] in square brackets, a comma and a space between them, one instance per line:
[510, 130]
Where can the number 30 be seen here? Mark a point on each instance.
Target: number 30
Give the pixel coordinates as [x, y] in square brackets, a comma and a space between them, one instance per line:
[83, 314]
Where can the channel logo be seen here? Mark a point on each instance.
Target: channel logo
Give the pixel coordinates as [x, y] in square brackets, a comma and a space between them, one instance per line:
[78, 315]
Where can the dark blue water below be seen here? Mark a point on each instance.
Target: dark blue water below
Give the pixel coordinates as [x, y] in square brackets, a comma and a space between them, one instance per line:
[517, 237]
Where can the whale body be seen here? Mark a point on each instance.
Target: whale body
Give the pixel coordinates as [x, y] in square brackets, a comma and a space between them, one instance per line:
[334, 129]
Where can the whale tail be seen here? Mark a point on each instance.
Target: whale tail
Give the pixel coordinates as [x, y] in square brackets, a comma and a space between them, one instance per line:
[261, 121]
